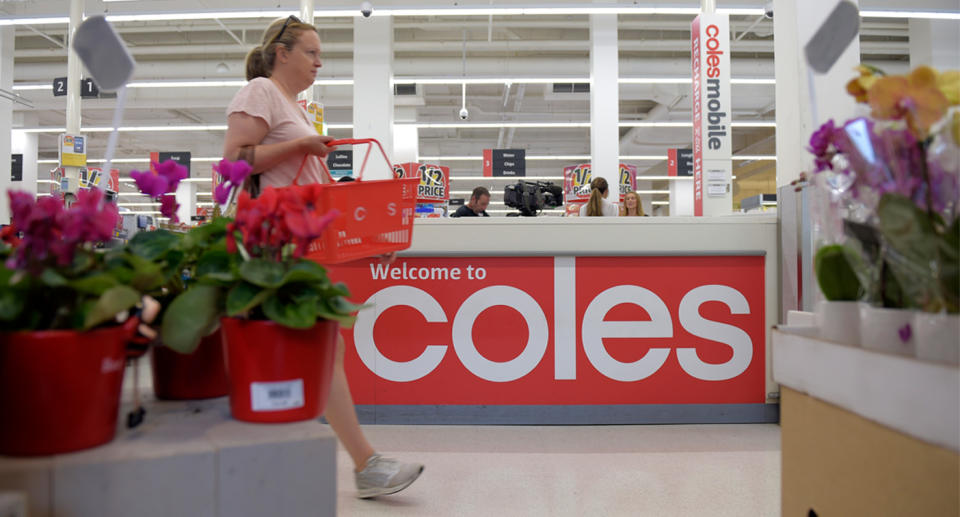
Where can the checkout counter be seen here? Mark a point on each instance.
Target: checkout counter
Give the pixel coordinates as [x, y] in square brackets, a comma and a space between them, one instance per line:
[482, 321]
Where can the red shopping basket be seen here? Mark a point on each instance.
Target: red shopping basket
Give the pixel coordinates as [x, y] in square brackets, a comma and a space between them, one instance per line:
[376, 216]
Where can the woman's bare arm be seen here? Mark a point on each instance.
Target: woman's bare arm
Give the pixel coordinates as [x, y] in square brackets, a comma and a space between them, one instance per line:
[244, 134]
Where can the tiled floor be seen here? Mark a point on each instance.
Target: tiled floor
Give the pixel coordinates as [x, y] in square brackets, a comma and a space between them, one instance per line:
[709, 470]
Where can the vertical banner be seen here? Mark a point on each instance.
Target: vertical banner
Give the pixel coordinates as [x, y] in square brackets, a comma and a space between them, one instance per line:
[712, 113]
[488, 163]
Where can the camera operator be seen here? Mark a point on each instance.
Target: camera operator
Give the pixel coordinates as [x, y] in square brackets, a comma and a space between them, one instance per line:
[477, 207]
[598, 204]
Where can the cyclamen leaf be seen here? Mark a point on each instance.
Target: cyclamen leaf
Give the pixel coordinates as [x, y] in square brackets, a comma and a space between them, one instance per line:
[264, 273]
[112, 302]
[192, 315]
[152, 245]
[245, 296]
[290, 313]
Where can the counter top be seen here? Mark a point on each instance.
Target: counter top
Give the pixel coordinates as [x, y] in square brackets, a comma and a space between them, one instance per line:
[531, 236]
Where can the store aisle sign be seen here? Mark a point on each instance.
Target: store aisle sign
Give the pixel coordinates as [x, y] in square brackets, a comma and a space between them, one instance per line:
[180, 157]
[680, 162]
[434, 184]
[73, 150]
[564, 330]
[504, 162]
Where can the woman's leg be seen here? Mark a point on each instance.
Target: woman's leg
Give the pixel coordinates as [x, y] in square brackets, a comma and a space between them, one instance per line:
[342, 415]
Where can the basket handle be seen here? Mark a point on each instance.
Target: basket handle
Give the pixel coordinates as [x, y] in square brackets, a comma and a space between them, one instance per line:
[347, 141]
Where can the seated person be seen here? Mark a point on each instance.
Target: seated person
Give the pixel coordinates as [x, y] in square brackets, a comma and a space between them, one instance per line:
[477, 206]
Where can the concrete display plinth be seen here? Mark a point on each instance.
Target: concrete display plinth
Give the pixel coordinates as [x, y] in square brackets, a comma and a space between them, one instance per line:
[187, 458]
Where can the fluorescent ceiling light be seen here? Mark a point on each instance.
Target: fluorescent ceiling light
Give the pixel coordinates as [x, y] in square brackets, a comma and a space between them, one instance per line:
[507, 178]
[663, 178]
[660, 203]
[129, 205]
[494, 125]
[489, 80]
[455, 11]
[35, 21]
[755, 158]
[932, 15]
[644, 157]
[478, 158]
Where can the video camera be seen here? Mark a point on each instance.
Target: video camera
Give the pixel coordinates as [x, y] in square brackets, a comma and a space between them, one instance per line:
[530, 197]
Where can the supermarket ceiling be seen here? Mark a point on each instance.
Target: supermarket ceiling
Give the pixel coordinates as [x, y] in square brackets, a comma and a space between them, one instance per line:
[208, 54]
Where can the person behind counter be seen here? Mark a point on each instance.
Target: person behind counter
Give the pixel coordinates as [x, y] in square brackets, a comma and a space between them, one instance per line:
[631, 205]
[598, 206]
[477, 207]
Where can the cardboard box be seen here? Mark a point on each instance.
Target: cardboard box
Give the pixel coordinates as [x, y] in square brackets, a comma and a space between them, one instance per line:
[837, 463]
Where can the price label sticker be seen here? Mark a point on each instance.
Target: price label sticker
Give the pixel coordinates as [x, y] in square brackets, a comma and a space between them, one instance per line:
[276, 396]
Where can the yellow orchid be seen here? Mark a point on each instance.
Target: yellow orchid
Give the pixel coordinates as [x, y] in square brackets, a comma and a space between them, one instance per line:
[949, 84]
[859, 86]
[915, 98]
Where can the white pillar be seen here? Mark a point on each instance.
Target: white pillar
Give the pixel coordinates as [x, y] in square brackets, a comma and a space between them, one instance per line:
[794, 24]
[187, 199]
[373, 89]
[681, 197]
[406, 144]
[26, 144]
[306, 14]
[935, 43]
[605, 100]
[6, 116]
[74, 71]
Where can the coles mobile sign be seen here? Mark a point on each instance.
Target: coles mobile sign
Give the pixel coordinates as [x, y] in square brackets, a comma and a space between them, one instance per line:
[553, 331]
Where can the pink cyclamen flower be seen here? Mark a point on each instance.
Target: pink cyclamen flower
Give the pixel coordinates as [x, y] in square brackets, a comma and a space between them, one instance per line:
[149, 183]
[172, 172]
[168, 207]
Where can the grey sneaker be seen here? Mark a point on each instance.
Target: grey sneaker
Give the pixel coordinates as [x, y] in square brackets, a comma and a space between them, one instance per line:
[384, 476]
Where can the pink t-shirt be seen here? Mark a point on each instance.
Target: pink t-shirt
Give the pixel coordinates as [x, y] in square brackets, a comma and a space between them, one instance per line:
[287, 121]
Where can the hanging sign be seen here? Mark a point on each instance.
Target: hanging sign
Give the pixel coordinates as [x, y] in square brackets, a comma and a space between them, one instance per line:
[504, 162]
[576, 184]
[434, 180]
[314, 115]
[73, 150]
[340, 163]
[181, 157]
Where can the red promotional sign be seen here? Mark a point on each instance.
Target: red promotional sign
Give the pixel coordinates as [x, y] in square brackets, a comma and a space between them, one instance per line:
[488, 163]
[555, 331]
[576, 184]
[671, 162]
[434, 180]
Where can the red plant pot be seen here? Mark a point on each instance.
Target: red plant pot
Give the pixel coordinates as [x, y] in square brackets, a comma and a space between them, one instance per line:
[60, 389]
[200, 375]
[278, 374]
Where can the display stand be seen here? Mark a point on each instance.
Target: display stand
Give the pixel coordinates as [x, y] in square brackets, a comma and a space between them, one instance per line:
[866, 433]
[187, 458]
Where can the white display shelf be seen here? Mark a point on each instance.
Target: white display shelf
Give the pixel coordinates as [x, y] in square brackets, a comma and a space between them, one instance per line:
[917, 398]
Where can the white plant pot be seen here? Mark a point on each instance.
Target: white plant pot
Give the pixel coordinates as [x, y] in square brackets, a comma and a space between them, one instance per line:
[887, 330]
[839, 322]
[937, 337]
